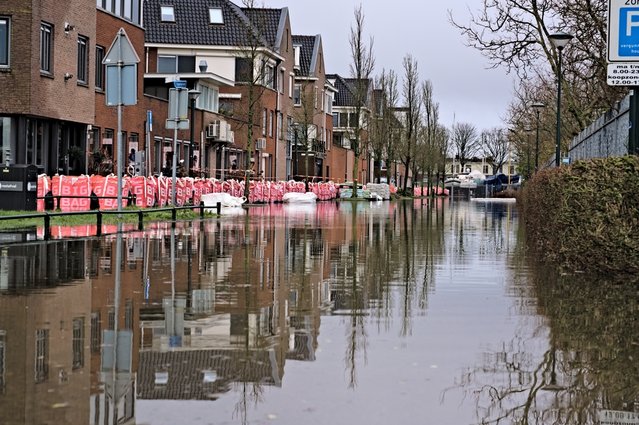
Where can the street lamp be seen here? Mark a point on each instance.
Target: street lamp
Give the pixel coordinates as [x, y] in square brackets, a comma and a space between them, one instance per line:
[537, 106]
[193, 95]
[559, 40]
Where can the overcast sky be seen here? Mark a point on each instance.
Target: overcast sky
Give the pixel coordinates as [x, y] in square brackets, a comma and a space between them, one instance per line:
[464, 87]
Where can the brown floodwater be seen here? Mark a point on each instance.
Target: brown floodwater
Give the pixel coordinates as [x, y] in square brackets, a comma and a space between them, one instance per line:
[415, 312]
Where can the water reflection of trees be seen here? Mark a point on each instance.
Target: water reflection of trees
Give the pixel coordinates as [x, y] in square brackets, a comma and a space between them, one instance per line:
[571, 368]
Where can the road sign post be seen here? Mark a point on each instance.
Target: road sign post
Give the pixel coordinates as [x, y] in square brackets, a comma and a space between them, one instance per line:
[177, 120]
[121, 88]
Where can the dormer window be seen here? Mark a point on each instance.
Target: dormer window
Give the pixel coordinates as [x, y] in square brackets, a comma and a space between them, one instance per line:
[215, 16]
[297, 49]
[167, 13]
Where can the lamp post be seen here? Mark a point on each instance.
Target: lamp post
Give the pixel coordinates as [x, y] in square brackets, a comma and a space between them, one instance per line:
[537, 106]
[193, 95]
[559, 40]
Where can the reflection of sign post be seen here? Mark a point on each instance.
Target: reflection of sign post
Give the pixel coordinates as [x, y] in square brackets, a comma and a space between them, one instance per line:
[121, 88]
[177, 120]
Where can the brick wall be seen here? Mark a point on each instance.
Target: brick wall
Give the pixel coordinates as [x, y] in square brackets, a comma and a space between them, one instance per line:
[15, 82]
[52, 96]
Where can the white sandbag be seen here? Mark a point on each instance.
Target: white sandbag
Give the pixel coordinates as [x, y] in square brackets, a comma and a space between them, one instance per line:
[299, 198]
[379, 190]
[211, 200]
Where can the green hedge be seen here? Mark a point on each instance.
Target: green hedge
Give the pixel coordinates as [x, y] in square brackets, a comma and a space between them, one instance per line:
[585, 217]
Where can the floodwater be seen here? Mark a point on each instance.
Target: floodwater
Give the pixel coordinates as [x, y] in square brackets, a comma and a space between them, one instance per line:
[349, 313]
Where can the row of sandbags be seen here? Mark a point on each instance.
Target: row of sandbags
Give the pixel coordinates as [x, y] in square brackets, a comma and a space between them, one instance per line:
[73, 193]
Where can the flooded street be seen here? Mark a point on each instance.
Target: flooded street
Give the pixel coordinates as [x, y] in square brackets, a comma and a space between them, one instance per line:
[335, 313]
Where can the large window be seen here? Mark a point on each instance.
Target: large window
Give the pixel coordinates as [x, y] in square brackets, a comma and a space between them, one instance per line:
[209, 98]
[2, 360]
[78, 342]
[41, 355]
[46, 48]
[99, 67]
[127, 9]
[5, 41]
[297, 95]
[169, 64]
[83, 59]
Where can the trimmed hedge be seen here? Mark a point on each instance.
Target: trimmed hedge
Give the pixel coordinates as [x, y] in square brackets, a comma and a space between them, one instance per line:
[585, 217]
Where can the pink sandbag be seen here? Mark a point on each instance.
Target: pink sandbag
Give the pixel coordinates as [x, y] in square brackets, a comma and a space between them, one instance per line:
[143, 189]
[68, 187]
[108, 186]
[44, 185]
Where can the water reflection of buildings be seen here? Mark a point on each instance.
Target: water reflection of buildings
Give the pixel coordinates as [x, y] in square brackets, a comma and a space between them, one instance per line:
[242, 296]
[44, 307]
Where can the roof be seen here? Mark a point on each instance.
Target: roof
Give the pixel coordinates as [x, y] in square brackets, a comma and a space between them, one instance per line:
[346, 90]
[309, 49]
[267, 22]
[192, 27]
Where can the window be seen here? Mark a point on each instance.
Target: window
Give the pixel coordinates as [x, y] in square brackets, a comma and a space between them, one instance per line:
[297, 49]
[268, 76]
[5, 42]
[209, 98]
[2, 360]
[46, 48]
[167, 14]
[315, 97]
[215, 16]
[99, 67]
[270, 124]
[297, 95]
[168, 64]
[83, 59]
[127, 9]
[264, 112]
[280, 81]
[290, 85]
[41, 355]
[96, 332]
[78, 342]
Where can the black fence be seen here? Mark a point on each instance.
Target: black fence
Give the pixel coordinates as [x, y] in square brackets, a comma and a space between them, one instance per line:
[99, 215]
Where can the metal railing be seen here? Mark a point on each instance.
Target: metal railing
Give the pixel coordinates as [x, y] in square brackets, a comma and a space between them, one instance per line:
[99, 214]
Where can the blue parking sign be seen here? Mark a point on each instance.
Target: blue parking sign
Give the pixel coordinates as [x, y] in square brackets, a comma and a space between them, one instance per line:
[629, 32]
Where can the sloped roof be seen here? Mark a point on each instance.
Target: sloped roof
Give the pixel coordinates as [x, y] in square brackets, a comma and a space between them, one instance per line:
[192, 27]
[307, 48]
[346, 90]
[267, 22]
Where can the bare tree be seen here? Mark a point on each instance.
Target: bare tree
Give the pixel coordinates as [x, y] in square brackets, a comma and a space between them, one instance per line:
[361, 70]
[412, 119]
[431, 127]
[465, 142]
[515, 35]
[305, 132]
[383, 131]
[494, 144]
[254, 73]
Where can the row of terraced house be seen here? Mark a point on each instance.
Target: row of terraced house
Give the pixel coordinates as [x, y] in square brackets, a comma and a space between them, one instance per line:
[53, 112]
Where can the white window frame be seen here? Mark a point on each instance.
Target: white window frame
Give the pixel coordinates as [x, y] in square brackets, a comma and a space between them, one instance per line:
[6, 20]
[167, 13]
[215, 16]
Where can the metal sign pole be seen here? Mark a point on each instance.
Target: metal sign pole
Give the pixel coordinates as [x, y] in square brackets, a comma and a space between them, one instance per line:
[174, 165]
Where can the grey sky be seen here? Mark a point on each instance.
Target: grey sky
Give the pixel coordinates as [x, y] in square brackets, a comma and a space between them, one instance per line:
[463, 86]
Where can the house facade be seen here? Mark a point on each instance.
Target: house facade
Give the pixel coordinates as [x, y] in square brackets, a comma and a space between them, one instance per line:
[245, 72]
[312, 118]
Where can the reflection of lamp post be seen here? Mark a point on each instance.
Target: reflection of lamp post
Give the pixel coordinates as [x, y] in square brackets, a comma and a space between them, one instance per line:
[537, 106]
[559, 40]
[193, 95]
